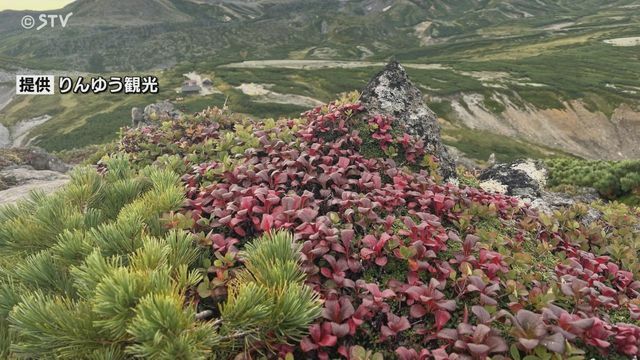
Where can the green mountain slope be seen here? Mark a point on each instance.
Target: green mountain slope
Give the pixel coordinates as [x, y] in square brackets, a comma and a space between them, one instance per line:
[133, 12]
[182, 29]
[540, 71]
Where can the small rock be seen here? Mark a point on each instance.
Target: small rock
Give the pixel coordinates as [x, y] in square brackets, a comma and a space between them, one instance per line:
[7, 182]
[526, 179]
[391, 92]
[592, 216]
[23, 170]
[137, 117]
[492, 160]
[550, 201]
[547, 202]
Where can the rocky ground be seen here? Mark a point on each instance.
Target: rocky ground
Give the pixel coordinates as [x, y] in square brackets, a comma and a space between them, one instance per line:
[24, 170]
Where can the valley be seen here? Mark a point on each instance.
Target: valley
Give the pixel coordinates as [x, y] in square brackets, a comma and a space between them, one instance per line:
[501, 68]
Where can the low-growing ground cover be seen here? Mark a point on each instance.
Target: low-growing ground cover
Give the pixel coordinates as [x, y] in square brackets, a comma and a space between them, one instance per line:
[405, 266]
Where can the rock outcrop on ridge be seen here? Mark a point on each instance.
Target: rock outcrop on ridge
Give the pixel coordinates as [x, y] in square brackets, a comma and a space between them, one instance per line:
[391, 92]
[160, 111]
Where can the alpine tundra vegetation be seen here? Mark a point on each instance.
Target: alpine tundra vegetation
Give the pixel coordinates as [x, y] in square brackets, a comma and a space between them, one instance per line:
[331, 235]
[488, 208]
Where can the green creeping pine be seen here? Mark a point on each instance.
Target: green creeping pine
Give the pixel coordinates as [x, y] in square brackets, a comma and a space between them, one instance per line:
[91, 272]
[614, 180]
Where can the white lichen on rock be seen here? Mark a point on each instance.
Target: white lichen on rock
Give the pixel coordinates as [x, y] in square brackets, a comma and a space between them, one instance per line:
[537, 173]
[494, 186]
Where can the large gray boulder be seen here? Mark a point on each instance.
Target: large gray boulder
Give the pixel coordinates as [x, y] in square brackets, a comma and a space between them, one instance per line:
[391, 92]
[23, 170]
[35, 157]
[523, 178]
[549, 201]
[527, 179]
[160, 111]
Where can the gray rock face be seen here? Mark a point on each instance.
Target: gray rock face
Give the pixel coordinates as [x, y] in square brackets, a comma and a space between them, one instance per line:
[5, 137]
[391, 92]
[161, 111]
[25, 179]
[549, 201]
[23, 170]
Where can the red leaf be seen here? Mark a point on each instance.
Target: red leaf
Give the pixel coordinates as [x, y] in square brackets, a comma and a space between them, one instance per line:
[417, 311]
[406, 354]
[482, 314]
[315, 331]
[246, 202]
[383, 240]
[346, 308]
[343, 162]
[386, 332]
[381, 261]
[267, 223]
[340, 330]
[326, 272]
[307, 214]
[306, 345]
[448, 334]
[347, 236]
[366, 253]
[528, 344]
[328, 340]
[240, 231]
[441, 318]
[478, 349]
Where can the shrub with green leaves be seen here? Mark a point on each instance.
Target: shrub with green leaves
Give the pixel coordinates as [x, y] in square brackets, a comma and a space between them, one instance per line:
[211, 135]
[614, 232]
[612, 179]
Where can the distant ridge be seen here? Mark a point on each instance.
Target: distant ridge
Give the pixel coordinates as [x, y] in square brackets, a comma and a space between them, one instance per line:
[132, 12]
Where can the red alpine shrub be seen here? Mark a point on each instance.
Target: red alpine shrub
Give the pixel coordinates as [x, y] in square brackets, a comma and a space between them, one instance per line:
[398, 258]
